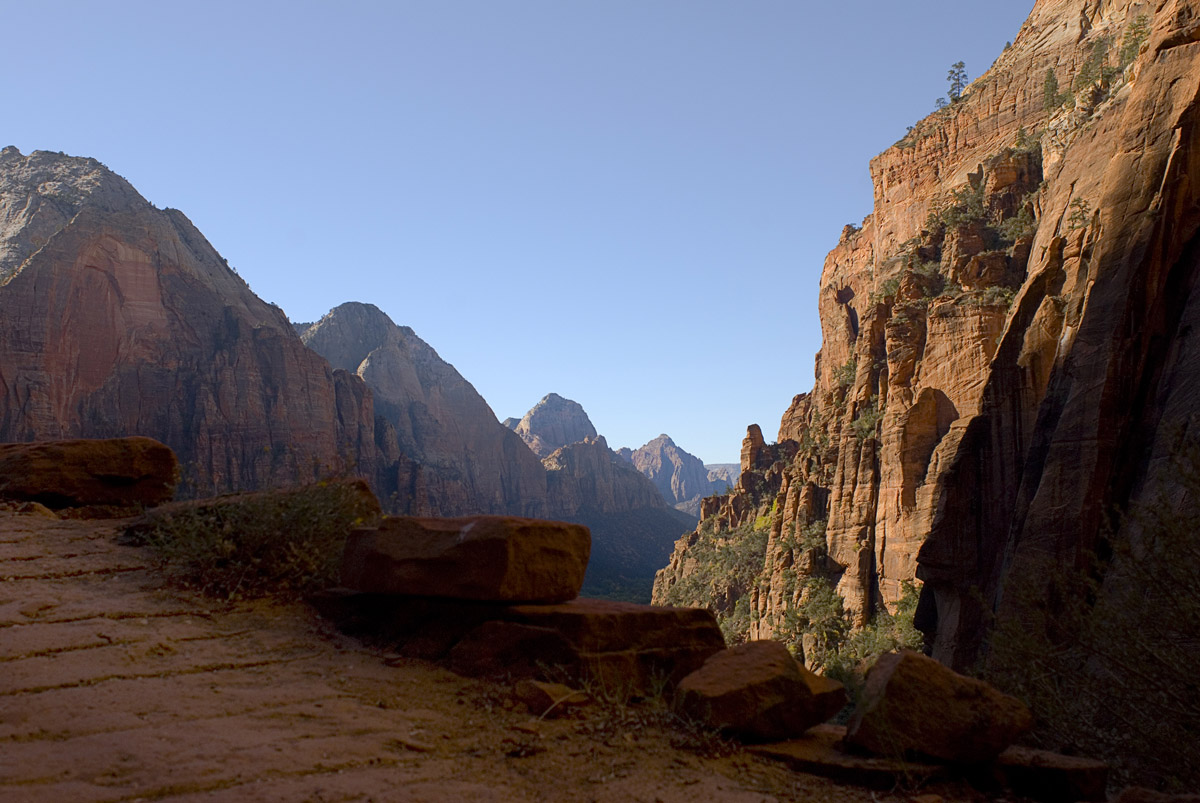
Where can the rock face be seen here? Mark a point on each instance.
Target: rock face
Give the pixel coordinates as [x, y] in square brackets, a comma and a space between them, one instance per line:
[914, 705]
[681, 478]
[587, 477]
[442, 451]
[121, 472]
[758, 692]
[553, 423]
[486, 558]
[117, 318]
[1004, 354]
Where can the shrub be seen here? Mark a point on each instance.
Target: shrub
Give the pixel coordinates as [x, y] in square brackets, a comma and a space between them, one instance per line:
[268, 543]
[886, 632]
[866, 422]
[844, 375]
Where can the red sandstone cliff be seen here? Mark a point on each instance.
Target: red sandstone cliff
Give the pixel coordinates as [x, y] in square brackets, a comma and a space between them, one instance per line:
[1004, 338]
[118, 318]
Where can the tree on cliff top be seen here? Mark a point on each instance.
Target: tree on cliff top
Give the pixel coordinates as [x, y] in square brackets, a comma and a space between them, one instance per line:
[957, 77]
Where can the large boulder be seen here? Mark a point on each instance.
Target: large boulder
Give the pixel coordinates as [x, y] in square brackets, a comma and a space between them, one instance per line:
[758, 692]
[625, 648]
[492, 558]
[914, 705]
[510, 649]
[123, 472]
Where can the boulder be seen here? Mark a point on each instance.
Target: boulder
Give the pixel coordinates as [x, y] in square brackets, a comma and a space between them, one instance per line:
[758, 692]
[509, 649]
[1051, 777]
[495, 558]
[123, 472]
[914, 705]
[627, 649]
[622, 648]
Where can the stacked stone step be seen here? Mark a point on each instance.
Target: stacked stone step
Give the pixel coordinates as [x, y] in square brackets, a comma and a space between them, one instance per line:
[498, 596]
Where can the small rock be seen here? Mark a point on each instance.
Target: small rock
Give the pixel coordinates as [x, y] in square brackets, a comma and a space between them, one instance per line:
[549, 699]
[759, 693]
[914, 705]
[494, 558]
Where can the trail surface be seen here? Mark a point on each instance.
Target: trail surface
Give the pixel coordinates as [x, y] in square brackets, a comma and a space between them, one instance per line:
[116, 687]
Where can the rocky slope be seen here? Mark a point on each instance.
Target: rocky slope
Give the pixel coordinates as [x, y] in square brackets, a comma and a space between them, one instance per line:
[1005, 357]
[442, 450]
[552, 423]
[118, 318]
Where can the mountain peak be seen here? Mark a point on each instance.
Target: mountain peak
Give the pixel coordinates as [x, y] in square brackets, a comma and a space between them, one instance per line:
[554, 422]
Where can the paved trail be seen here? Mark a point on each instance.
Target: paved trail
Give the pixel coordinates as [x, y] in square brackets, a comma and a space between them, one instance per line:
[113, 687]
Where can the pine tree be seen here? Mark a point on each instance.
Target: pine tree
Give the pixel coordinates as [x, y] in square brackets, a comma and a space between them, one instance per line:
[957, 76]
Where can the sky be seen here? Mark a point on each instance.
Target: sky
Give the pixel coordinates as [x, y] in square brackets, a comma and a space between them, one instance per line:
[625, 202]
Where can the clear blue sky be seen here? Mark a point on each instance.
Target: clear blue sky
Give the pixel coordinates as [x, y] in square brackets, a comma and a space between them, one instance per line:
[627, 202]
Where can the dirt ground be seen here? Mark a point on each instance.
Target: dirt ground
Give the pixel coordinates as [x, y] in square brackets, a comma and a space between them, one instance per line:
[116, 687]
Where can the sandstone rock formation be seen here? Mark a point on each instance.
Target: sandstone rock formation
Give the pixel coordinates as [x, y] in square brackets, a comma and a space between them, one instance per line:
[118, 318]
[122, 472]
[488, 558]
[1004, 357]
[552, 423]
[442, 451]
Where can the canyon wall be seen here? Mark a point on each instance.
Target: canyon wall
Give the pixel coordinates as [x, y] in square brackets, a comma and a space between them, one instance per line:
[118, 318]
[1004, 338]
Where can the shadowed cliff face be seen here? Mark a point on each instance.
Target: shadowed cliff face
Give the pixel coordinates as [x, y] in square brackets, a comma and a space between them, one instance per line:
[1005, 336]
[118, 318]
[442, 450]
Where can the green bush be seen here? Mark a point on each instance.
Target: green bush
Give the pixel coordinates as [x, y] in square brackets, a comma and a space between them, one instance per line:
[868, 419]
[282, 543]
[886, 632]
[844, 375]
